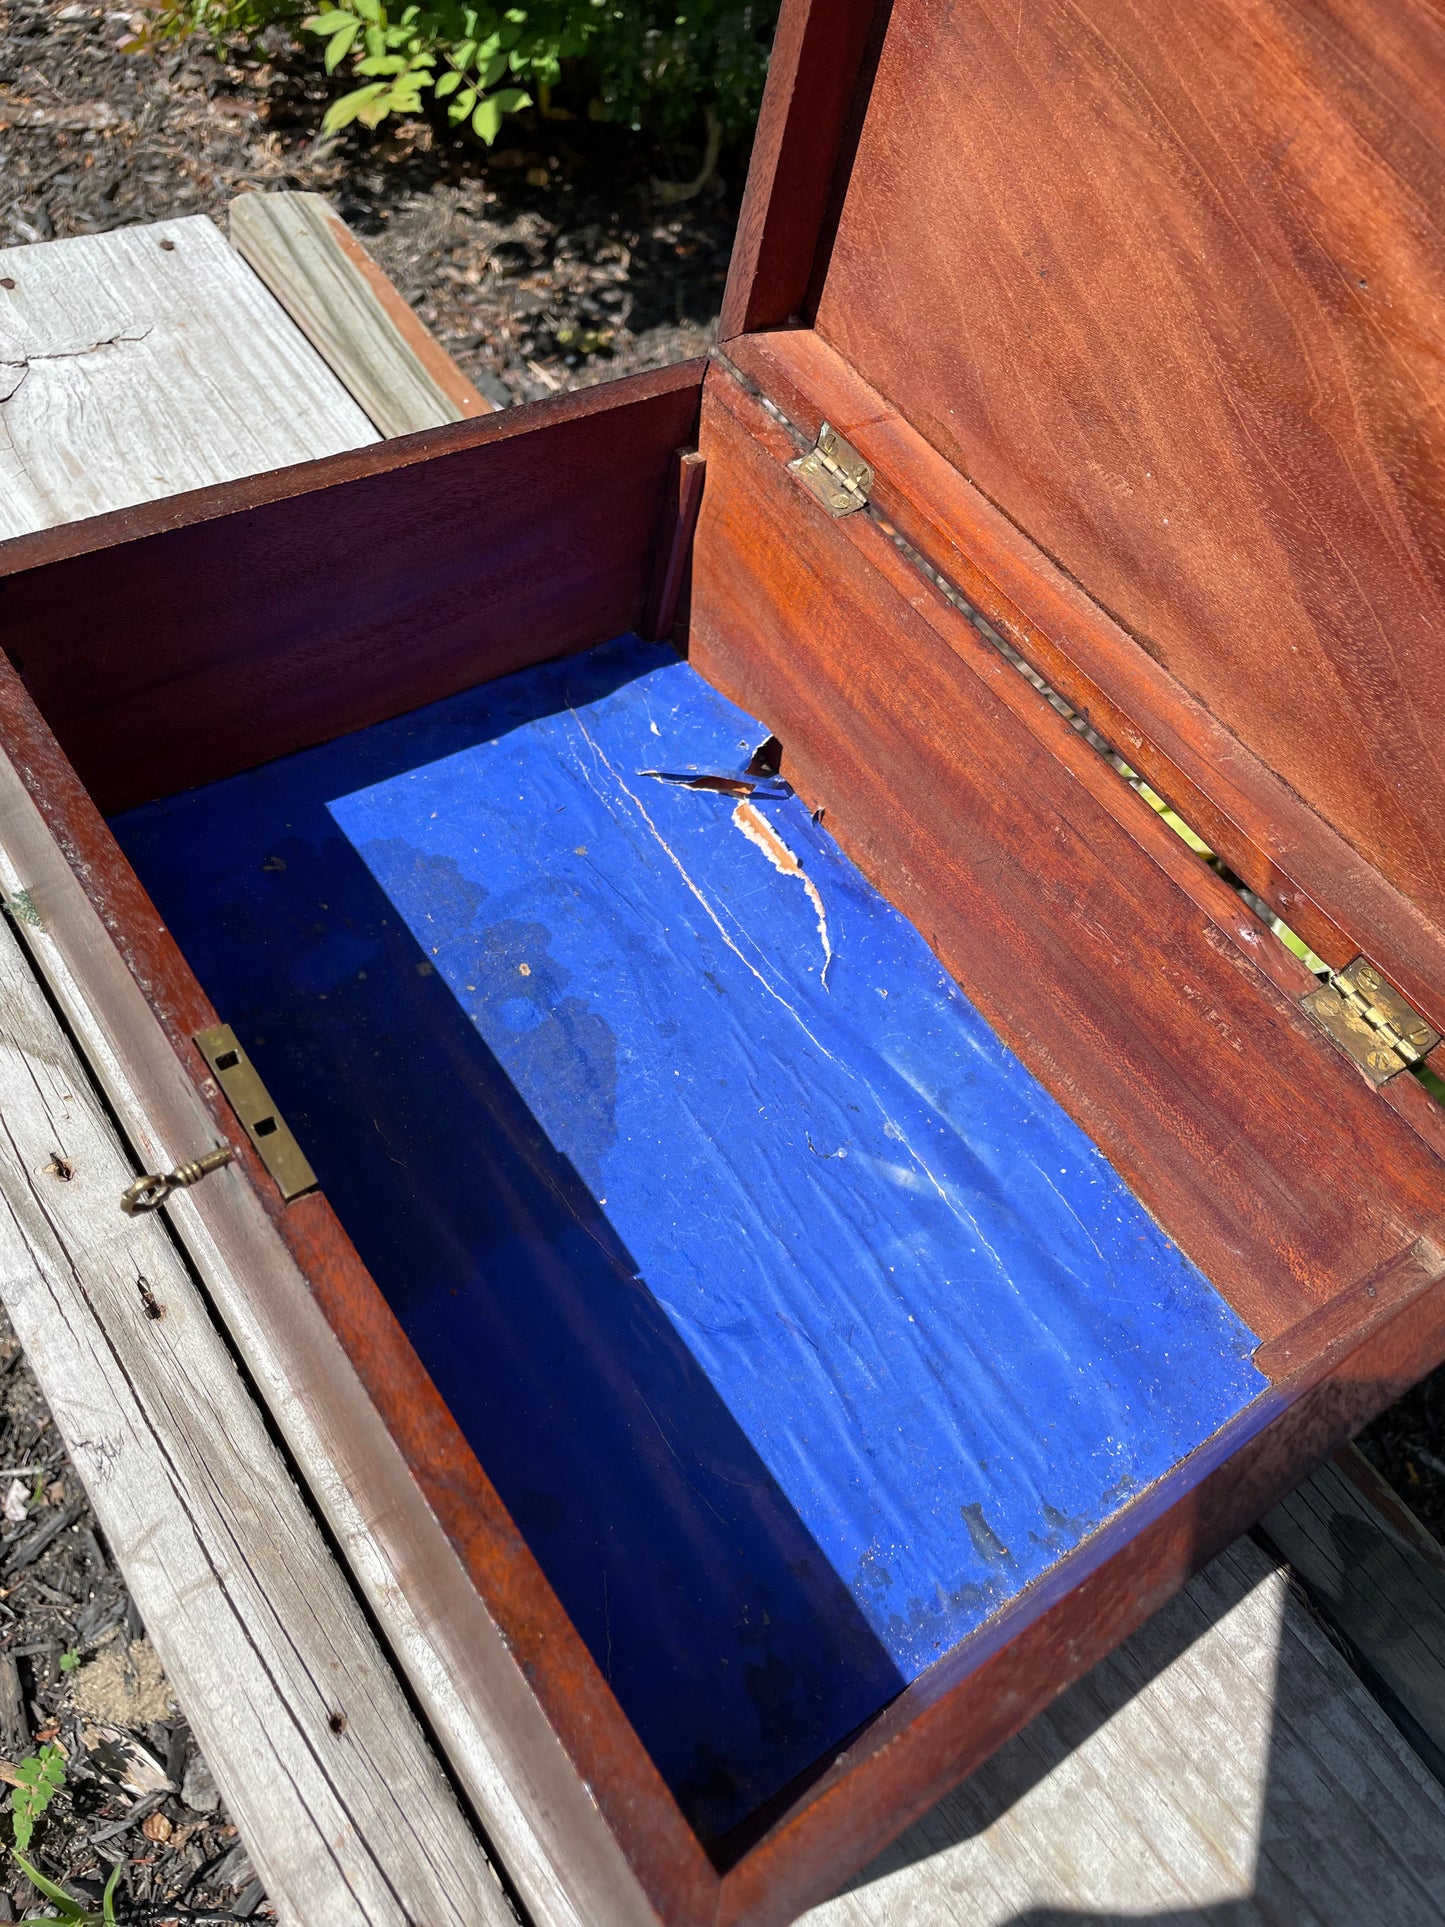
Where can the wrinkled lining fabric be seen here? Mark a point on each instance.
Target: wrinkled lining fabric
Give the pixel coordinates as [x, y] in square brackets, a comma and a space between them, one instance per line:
[797, 1326]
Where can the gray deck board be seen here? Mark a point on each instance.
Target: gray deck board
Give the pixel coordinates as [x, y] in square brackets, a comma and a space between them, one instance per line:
[1225, 1768]
[259, 1632]
[144, 362]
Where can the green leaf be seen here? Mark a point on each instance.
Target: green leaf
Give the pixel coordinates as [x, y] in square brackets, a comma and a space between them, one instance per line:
[342, 112]
[511, 100]
[462, 105]
[69, 1661]
[40, 1776]
[487, 119]
[369, 10]
[448, 84]
[107, 1899]
[328, 22]
[375, 111]
[375, 42]
[489, 75]
[70, 1909]
[462, 55]
[339, 45]
[382, 64]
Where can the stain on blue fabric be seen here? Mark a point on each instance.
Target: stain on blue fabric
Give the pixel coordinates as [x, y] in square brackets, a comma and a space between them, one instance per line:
[798, 1327]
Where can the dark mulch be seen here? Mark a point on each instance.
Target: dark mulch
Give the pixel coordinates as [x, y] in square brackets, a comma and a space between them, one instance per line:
[76, 1669]
[1407, 1445]
[548, 263]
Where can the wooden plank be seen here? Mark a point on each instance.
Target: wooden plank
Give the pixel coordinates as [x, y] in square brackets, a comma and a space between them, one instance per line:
[279, 611]
[1224, 1767]
[343, 1806]
[318, 270]
[149, 360]
[1380, 1577]
[1165, 284]
[412, 1542]
[805, 137]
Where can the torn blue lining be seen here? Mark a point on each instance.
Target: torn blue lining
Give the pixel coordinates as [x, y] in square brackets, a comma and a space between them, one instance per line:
[798, 1327]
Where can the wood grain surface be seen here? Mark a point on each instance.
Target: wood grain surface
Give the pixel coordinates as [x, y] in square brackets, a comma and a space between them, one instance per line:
[1034, 871]
[387, 359]
[1303, 868]
[1224, 1768]
[342, 1805]
[132, 1015]
[149, 360]
[1167, 286]
[192, 638]
[805, 137]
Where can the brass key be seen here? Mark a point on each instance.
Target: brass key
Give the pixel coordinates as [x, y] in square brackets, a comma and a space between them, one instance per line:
[149, 1191]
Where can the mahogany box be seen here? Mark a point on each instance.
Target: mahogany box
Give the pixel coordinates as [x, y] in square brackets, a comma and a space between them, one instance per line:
[818, 968]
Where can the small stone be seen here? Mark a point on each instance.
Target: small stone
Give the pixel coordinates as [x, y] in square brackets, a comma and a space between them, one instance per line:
[198, 1790]
[157, 1827]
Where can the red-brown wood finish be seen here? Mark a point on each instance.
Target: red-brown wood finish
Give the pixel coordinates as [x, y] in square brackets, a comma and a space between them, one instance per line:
[1284, 851]
[1126, 974]
[803, 145]
[913, 698]
[1167, 286]
[963, 1709]
[672, 555]
[176, 643]
[670, 1863]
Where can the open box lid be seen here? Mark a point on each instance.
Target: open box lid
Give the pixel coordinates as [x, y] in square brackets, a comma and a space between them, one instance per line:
[1166, 288]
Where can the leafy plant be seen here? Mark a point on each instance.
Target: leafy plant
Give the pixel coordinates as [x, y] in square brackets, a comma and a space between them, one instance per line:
[69, 1661]
[674, 68]
[463, 53]
[70, 1908]
[40, 1777]
[661, 62]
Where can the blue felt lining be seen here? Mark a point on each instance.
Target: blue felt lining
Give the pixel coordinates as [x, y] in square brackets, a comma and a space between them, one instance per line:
[796, 1324]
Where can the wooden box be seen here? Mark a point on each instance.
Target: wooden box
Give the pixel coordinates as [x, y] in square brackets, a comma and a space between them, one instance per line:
[830, 1206]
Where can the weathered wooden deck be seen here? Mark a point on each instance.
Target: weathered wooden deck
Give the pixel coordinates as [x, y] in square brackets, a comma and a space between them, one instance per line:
[1228, 1765]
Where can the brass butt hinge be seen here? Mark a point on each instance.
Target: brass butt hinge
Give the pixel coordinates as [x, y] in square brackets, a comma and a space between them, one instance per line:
[1371, 1022]
[834, 473]
[259, 1118]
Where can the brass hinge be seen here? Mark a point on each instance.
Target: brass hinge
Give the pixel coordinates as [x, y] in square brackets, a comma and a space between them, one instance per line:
[834, 473]
[1371, 1022]
[250, 1100]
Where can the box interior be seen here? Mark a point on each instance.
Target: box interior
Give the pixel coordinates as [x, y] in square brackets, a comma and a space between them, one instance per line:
[797, 1326]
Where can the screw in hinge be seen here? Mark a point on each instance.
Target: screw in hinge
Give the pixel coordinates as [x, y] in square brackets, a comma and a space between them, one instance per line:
[150, 1190]
[834, 473]
[1371, 1021]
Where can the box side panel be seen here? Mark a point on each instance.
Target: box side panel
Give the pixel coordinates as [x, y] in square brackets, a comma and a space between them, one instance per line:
[1283, 850]
[291, 608]
[1049, 890]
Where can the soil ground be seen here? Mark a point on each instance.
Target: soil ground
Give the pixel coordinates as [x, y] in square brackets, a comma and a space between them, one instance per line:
[77, 1671]
[549, 263]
